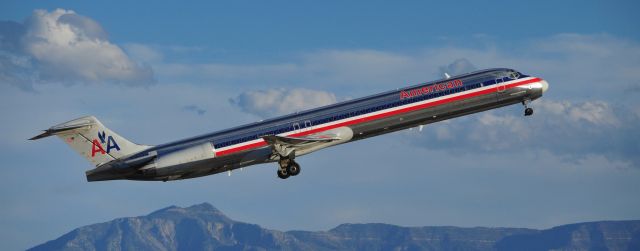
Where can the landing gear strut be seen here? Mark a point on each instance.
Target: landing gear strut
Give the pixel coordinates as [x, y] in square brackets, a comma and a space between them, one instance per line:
[288, 167]
[528, 111]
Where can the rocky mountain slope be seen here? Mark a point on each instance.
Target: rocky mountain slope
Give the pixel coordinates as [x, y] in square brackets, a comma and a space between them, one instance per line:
[203, 227]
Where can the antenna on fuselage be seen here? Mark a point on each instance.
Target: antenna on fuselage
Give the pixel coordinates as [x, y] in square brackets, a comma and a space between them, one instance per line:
[446, 76]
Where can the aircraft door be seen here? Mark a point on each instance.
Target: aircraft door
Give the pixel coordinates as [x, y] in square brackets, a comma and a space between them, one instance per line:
[500, 89]
[500, 85]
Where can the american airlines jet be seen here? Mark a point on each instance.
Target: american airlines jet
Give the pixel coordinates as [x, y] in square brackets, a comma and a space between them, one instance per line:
[285, 138]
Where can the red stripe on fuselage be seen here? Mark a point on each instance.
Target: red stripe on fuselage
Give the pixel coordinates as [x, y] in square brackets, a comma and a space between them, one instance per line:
[381, 115]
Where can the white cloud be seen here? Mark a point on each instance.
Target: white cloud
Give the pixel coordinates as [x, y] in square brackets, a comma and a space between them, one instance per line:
[459, 66]
[443, 133]
[63, 47]
[143, 53]
[594, 68]
[598, 113]
[571, 129]
[273, 102]
[491, 130]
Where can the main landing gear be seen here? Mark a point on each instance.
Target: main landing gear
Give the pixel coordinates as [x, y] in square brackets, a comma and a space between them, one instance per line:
[288, 167]
[528, 111]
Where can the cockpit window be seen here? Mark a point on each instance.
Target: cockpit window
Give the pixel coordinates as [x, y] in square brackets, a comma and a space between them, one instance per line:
[523, 75]
[514, 75]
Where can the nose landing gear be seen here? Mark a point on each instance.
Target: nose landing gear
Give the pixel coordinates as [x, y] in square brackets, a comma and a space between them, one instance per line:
[528, 111]
[288, 167]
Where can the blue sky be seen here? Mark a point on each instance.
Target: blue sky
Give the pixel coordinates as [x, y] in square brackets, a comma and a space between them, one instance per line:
[159, 71]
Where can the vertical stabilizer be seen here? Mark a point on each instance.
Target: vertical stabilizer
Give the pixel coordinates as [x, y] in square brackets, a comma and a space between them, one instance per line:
[91, 139]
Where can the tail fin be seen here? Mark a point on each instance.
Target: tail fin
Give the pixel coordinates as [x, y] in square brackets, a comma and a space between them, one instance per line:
[88, 137]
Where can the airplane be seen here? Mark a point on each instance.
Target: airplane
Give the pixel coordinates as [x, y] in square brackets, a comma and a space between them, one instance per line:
[283, 139]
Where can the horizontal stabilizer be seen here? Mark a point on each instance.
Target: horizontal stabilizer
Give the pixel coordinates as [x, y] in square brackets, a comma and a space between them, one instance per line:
[65, 127]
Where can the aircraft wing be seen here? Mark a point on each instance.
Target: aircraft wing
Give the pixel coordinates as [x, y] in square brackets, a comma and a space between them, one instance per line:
[273, 139]
[286, 146]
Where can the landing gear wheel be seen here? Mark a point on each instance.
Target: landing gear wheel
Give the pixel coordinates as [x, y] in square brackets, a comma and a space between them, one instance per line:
[528, 111]
[283, 174]
[293, 169]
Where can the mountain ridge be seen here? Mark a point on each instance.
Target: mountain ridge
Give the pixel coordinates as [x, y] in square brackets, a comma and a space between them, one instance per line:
[204, 227]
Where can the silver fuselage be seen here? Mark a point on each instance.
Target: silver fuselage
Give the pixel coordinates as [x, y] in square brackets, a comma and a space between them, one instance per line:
[360, 118]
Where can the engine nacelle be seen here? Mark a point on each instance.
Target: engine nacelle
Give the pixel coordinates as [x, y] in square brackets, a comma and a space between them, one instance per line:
[166, 163]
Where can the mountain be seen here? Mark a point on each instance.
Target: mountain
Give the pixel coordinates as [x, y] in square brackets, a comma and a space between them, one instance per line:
[203, 227]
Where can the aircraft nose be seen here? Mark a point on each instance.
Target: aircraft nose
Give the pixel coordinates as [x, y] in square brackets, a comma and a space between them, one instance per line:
[545, 85]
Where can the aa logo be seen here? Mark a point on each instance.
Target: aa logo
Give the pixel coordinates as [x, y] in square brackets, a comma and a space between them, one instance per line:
[97, 145]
